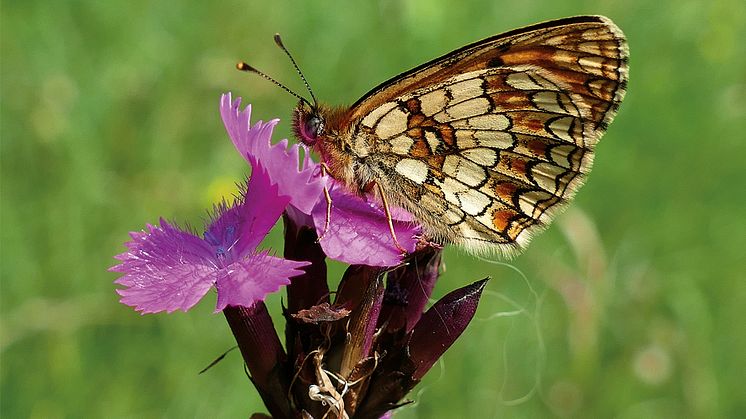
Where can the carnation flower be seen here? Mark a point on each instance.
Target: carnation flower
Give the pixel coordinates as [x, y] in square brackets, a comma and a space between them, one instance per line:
[355, 355]
[167, 268]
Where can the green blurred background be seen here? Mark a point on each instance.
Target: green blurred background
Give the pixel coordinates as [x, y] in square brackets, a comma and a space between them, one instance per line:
[633, 304]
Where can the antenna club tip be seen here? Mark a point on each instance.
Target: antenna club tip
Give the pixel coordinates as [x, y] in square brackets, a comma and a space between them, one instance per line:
[278, 40]
[242, 66]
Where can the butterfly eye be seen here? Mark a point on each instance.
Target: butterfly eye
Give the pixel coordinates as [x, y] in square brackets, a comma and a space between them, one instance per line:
[314, 126]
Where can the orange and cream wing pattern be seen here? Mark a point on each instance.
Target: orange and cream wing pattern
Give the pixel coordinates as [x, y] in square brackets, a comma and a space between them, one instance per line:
[487, 143]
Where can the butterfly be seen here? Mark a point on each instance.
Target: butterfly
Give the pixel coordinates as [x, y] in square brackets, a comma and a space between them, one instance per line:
[483, 145]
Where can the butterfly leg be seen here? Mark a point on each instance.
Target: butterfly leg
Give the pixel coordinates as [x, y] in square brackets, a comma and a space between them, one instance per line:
[328, 197]
[390, 220]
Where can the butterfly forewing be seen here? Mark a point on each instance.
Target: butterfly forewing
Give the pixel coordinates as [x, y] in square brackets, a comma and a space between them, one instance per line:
[485, 144]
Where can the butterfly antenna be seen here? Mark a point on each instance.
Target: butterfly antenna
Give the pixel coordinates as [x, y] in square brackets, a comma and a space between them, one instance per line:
[242, 66]
[279, 43]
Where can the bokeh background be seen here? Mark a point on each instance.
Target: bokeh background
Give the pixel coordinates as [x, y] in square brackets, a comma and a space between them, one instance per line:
[632, 305]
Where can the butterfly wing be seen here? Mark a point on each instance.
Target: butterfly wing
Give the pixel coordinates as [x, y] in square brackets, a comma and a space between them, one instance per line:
[486, 143]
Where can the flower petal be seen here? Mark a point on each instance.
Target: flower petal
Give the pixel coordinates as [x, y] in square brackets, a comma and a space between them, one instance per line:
[359, 233]
[165, 269]
[250, 280]
[240, 228]
[263, 205]
[297, 178]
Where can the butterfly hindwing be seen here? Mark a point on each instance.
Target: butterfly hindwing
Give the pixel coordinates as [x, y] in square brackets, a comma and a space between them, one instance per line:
[485, 144]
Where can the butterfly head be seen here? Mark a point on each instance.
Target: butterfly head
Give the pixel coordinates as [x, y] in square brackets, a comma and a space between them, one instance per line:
[308, 123]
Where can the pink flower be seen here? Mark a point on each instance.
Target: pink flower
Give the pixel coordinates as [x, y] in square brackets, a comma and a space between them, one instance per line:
[358, 230]
[167, 268]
